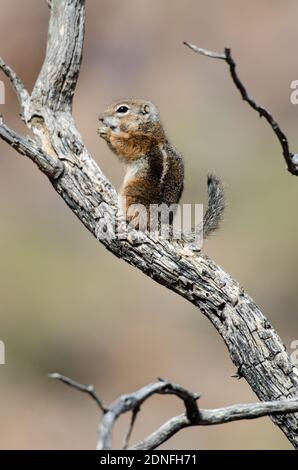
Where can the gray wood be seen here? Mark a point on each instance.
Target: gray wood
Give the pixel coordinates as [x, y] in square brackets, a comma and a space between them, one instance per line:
[254, 346]
[193, 416]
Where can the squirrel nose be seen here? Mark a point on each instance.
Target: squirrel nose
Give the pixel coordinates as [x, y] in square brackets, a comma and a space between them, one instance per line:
[109, 121]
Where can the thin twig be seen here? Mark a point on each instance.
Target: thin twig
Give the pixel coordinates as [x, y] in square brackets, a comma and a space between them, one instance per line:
[134, 400]
[192, 417]
[290, 158]
[134, 415]
[216, 416]
[189, 398]
[200, 50]
[245, 330]
[18, 85]
[89, 389]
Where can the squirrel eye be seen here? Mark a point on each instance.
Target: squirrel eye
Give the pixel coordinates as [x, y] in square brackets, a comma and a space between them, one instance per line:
[122, 109]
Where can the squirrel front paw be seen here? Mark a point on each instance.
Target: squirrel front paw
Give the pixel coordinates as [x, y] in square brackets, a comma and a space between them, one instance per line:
[104, 132]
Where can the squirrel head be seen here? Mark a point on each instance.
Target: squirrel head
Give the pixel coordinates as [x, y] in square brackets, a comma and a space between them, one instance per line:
[131, 127]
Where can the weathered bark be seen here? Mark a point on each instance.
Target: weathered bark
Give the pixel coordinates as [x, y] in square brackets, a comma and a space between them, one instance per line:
[254, 346]
[193, 416]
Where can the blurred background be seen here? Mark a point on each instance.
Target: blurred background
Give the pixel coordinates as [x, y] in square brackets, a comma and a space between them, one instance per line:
[58, 309]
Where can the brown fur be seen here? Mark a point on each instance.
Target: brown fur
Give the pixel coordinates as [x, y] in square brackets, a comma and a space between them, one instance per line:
[155, 170]
[139, 136]
[130, 146]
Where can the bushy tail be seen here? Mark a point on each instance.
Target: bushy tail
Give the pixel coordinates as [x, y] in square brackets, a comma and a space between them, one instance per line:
[216, 205]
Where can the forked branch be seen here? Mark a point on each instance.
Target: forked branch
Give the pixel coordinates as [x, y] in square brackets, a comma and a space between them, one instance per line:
[193, 415]
[59, 151]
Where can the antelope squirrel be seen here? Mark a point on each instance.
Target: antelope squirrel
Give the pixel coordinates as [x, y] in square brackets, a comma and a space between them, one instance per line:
[155, 169]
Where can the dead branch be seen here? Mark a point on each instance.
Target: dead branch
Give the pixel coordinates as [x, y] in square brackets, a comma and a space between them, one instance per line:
[290, 158]
[255, 348]
[89, 389]
[18, 85]
[193, 415]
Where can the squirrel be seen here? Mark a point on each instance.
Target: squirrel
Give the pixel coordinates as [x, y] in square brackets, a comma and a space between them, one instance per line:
[133, 130]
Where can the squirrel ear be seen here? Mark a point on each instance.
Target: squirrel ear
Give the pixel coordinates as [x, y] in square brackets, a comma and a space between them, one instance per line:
[145, 109]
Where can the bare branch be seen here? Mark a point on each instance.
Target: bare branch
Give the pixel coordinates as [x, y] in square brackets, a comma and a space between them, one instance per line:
[89, 389]
[290, 158]
[189, 398]
[49, 165]
[134, 401]
[59, 74]
[217, 416]
[200, 50]
[192, 417]
[163, 433]
[255, 348]
[18, 85]
[134, 415]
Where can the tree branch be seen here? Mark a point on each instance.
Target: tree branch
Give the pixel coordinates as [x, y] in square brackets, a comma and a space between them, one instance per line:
[49, 165]
[255, 348]
[18, 85]
[57, 80]
[217, 416]
[127, 437]
[290, 158]
[193, 416]
[89, 389]
[133, 402]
